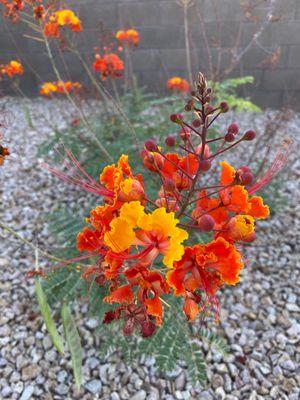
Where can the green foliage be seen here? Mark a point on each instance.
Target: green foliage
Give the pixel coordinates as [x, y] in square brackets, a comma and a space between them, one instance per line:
[49, 322]
[227, 91]
[174, 341]
[74, 344]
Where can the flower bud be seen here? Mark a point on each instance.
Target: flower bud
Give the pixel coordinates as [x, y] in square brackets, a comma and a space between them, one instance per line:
[196, 123]
[170, 141]
[229, 137]
[148, 328]
[204, 165]
[246, 178]
[185, 134]
[128, 327]
[249, 135]
[151, 145]
[245, 168]
[233, 128]
[224, 107]
[188, 107]
[177, 118]
[169, 185]
[206, 223]
[209, 110]
[152, 161]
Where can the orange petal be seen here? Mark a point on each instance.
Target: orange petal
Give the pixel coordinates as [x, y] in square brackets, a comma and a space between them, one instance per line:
[154, 308]
[257, 208]
[227, 173]
[88, 240]
[191, 309]
[121, 295]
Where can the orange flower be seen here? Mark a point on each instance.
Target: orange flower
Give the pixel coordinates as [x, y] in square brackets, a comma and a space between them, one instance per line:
[59, 87]
[178, 169]
[109, 65]
[11, 69]
[202, 270]
[4, 153]
[178, 84]
[62, 19]
[157, 233]
[129, 37]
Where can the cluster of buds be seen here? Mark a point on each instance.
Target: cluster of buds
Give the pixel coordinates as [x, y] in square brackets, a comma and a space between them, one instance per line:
[59, 87]
[145, 247]
[11, 69]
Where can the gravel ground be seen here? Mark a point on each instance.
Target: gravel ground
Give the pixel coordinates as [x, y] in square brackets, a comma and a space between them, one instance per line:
[260, 316]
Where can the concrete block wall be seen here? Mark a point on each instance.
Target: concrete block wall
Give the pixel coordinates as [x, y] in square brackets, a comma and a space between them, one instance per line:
[161, 53]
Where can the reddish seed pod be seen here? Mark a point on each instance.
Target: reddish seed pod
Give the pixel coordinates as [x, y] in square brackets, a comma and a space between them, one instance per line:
[229, 137]
[196, 123]
[206, 223]
[170, 141]
[245, 168]
[209, 110]
[177, 118]
[247, 178]
[187, 107]
[233, 128]
[204, 165]
[151, 145]
[249, 135]
[148, 328]
[224, 107]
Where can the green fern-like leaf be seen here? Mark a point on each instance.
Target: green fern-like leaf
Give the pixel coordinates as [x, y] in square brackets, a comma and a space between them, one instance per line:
[195, 362]
[219, 344]
[46, 313]
[62, 285]
[74, 344]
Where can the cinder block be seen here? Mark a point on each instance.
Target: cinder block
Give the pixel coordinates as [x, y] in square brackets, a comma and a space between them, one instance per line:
[138, 14]
[223, 10]
[145, 60]
[256, 56]
[162, 38]
[269, 99]
[223, 35]
[282, 79]
[294, 57]
[291, 99]
[94, 14]
[282, 33]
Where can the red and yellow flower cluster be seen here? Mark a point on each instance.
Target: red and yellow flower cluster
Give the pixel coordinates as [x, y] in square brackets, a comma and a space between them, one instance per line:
[108, 65]
[178, 84]
[59, 20]
[145, 249]
[12, 8]
[59, 87]
[130, 37]
[11, 69]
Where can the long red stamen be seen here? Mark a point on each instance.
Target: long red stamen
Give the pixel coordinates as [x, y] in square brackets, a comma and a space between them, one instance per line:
[277, 164]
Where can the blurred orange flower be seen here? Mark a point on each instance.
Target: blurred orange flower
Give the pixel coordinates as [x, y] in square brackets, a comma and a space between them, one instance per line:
[109, 65]
[59, 87]
[129, 37]
[178, 84]
[11, 69]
